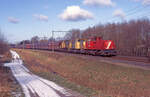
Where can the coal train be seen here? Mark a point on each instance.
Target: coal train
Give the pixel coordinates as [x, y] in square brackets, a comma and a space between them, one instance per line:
[92, 46]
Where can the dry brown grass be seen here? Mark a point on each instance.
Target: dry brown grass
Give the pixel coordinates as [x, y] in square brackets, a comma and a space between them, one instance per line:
[5, 81]
[107, 80]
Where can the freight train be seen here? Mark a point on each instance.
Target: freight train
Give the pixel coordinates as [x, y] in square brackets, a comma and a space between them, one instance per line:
[92, 46]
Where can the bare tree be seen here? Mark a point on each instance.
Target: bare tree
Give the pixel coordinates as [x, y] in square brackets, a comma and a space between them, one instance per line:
[3, 44]
[35, 39]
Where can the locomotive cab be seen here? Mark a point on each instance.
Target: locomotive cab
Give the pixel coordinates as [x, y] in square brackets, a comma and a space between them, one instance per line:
[109, 48]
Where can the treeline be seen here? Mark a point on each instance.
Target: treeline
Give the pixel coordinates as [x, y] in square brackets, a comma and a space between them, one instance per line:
[132, 38]
[36, 39]
[3, 44]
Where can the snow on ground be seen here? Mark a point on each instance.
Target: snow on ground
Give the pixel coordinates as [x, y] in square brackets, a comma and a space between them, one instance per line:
[32, 85]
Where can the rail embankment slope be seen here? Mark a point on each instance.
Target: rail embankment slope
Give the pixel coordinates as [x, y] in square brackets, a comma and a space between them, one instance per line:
[88, 76]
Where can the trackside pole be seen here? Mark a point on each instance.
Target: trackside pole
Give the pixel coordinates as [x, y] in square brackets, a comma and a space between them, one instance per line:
[53, 47]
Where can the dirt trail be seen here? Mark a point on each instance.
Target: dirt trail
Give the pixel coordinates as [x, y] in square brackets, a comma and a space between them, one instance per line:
[34, 86]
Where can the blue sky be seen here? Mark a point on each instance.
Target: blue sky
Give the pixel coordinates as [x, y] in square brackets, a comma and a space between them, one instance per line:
[23, 19]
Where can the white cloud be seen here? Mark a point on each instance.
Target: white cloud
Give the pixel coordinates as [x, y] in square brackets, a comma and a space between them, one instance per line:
[119, 13]
[75, 13]
[99, 2]
[41, 17]
[13, 20]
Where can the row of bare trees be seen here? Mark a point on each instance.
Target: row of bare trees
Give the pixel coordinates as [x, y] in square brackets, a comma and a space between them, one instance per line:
[131, 38]
[37, 40]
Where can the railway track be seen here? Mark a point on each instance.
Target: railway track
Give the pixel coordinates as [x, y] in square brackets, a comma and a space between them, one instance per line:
[119, 57]
[129, 58]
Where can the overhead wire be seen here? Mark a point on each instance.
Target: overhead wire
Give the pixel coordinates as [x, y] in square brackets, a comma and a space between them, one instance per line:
[131, 12]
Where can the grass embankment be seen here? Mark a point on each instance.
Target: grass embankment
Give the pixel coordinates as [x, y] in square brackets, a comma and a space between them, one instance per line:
[8, 85]
[102, 79]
